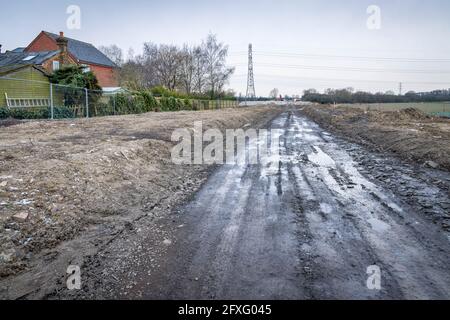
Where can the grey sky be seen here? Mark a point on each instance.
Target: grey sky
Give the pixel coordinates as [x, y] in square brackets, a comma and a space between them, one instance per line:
[290, 38]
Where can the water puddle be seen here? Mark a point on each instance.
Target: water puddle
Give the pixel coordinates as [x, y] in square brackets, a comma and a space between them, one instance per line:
[378, 225]
[321, 158]
[326, 208]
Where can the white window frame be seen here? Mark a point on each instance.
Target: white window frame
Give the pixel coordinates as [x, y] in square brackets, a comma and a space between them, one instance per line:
[56, 65]
[86, 68]
[29, 58]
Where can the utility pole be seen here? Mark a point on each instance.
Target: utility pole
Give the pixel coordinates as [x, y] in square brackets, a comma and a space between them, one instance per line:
[400, 88]
[250, 80]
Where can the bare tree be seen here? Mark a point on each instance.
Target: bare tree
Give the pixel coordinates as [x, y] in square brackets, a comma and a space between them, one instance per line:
[149, 62]
[167, 65]
[215, 57]
[187, 69]
[114, 53]
[274, 93]
[190, 69]
[199, 61]
[131, 75]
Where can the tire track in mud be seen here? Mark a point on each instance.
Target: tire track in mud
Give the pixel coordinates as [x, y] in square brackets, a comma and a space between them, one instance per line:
[304, 226]
[321, 213]
[355, 205]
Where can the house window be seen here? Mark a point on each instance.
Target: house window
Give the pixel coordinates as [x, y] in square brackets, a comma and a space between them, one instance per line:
[29, 58]
[86, 68]
[55, 65]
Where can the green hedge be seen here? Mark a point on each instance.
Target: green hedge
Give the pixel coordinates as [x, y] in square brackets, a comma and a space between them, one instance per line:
[172, 104]
[37, 113]
[137, 102]
[120, 104]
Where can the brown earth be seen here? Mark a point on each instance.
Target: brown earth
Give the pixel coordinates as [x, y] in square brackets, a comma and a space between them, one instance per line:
[408, 133]
[91, 177]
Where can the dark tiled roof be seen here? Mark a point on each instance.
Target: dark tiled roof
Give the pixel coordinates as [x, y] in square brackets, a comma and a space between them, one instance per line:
[18, 50]
[85, 52]
[17, 58]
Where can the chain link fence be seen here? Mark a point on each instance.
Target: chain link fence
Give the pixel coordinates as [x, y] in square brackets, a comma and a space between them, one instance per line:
[28, 99]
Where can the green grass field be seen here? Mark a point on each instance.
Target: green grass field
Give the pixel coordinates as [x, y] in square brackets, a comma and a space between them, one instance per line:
[435, 108]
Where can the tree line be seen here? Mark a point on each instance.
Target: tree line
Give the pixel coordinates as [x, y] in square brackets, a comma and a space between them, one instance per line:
[192, 70]
[349, 95]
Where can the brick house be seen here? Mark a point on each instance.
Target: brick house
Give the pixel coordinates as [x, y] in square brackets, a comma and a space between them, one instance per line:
[76, 52]
[49, 61]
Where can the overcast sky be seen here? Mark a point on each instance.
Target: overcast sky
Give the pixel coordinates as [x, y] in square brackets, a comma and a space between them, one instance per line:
[297, 44]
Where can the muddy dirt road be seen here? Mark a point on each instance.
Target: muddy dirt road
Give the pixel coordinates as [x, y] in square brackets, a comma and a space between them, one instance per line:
[308, 225]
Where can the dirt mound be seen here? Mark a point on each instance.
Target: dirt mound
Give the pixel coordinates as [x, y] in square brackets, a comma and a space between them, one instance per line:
[414, 113]
[409, 133]
[408, 114]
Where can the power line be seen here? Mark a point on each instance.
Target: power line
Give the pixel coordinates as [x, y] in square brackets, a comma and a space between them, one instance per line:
[322, 56]
[344, 80]
[350, 69]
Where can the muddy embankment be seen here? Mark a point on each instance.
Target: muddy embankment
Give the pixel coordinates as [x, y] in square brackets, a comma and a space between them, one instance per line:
[69, 188]
[409, 134]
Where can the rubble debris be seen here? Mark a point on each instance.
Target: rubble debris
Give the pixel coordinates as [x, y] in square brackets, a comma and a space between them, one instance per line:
[21, 216]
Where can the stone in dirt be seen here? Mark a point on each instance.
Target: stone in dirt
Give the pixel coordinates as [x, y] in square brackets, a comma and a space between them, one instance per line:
[21, 216]
[431, 164]
[7, 255]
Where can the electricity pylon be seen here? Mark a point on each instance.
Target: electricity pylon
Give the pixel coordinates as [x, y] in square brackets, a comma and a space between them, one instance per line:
[250, 80]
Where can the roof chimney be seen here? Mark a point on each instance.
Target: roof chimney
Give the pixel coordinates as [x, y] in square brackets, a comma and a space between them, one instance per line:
[61, 41]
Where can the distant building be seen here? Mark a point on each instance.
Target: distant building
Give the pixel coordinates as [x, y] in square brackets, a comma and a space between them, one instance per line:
[33, 67]
[46, 54]
[78, 52]
[51, 51]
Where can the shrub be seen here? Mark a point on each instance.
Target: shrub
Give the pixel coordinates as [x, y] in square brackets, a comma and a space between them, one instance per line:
[151, 104]
[165, 106]
[137, 104]
[4, 113]
[101, 109]
[23, 114]
[121, 103]
[61, 112]
[187, 104]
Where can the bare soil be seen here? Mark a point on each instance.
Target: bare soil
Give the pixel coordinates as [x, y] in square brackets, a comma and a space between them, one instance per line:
[81, 183]
[305, 225]
[408, 133]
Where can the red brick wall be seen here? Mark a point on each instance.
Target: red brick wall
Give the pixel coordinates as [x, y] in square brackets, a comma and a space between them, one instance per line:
[48, 65]
[107, 76]
[42, 43]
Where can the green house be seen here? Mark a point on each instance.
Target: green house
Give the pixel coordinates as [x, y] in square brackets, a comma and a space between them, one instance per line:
[26, 82]
[24, 78]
